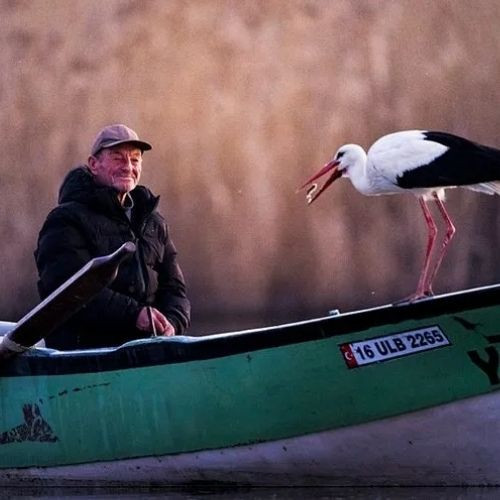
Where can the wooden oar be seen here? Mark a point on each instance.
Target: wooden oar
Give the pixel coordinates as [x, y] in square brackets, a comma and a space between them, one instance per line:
[64, 302]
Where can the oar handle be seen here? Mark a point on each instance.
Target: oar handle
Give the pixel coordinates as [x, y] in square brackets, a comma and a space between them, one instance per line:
[64, 301]
[151, 321]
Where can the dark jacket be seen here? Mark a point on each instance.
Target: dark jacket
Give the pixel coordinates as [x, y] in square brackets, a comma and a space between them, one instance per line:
[89, 222]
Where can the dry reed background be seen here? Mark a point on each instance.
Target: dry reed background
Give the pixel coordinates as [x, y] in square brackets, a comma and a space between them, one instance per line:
[243, 100]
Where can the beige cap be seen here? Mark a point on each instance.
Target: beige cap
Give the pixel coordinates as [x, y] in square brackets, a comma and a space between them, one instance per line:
[112, 135]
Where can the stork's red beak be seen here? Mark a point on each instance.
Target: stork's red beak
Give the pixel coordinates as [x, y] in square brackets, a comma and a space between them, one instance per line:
[313, 192]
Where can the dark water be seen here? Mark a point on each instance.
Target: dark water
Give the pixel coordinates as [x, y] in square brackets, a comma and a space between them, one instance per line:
[208, 493]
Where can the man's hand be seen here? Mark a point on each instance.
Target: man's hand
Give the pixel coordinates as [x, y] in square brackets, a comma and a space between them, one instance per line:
[161, 324]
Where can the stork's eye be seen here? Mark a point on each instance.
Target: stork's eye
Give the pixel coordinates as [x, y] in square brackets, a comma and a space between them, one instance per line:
[340, 154]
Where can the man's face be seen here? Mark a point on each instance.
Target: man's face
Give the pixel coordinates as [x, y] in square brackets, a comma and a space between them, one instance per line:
[119, 167]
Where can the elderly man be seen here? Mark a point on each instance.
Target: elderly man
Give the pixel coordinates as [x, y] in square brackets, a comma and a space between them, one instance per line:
[101, 206]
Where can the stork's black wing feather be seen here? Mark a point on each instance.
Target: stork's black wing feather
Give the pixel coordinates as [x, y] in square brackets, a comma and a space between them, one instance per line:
[464, 163]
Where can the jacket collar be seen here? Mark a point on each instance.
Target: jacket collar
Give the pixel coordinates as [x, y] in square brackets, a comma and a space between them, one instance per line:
[79, 186]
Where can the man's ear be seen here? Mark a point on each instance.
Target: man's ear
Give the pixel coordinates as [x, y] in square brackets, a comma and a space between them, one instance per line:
[92, 163]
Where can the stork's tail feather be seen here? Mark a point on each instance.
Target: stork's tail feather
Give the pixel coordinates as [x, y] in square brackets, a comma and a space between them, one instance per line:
[486, 187]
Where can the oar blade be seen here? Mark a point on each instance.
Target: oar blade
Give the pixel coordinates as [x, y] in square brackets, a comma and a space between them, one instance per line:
[65, 301]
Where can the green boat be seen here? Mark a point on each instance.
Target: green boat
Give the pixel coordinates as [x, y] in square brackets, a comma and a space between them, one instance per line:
[394, 395]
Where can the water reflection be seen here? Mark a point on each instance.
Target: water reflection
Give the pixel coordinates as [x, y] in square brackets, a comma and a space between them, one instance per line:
[217, 493]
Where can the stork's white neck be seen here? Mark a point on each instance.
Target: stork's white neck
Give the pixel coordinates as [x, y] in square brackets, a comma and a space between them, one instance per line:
[355, 160]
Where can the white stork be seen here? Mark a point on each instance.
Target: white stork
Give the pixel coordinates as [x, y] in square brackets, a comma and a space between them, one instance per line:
[423, 162]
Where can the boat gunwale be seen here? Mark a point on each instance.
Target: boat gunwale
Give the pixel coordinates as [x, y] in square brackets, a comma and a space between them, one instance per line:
[181, 349]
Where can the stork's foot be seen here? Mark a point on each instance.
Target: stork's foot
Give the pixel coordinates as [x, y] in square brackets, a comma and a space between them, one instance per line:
[414, 297]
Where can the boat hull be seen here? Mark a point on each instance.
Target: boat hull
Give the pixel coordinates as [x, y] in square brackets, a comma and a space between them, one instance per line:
[390, 396]
[457, 444]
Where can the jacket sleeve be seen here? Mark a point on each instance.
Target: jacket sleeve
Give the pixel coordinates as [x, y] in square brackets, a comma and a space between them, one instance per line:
[61, 251]
[171, 298]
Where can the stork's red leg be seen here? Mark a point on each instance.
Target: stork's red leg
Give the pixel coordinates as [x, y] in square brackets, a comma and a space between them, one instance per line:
[450, 231]
[424, 288]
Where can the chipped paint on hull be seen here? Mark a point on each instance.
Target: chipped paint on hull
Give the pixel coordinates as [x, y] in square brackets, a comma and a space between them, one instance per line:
[34, 428]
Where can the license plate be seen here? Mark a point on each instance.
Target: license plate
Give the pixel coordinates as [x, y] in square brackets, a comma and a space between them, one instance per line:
[393, 346]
